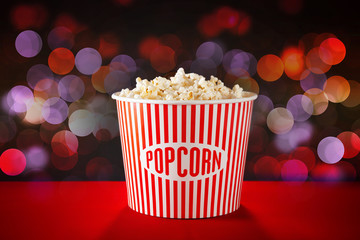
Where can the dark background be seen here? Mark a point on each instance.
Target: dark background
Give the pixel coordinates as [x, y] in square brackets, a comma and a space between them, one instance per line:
[271, 29]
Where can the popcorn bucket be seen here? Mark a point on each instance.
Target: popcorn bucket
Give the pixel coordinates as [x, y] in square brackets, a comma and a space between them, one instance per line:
[184, 159]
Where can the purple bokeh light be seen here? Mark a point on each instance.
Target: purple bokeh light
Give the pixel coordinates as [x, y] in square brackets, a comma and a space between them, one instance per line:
[123, 63]
[210, 50]
[37, 157]
[116, 80]
[205, 67]
[243, 64]
[71, 88]
[60, 37]
[312, 80]
[330, 150]
[19, 99]
[301, 107]
[88, 61]
[28, 43]
[54, 110]
[300, 134]
[37, 73]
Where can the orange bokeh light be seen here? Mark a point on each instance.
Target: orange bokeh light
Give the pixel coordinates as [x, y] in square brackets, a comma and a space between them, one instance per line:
[319, 100]
[314, 62]
[332, 51]
[294, 62]
[61, 61]
[270, 67]
[337, 89]
[98, 78]
[353, 99]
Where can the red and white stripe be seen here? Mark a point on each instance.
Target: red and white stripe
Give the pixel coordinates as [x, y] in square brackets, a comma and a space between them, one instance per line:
[224, 125]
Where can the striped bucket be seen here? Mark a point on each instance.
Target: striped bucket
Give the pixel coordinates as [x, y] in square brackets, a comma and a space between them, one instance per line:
[184, 159]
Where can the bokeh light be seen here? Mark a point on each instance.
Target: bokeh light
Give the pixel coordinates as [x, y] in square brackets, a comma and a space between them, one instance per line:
[116, 81]
[37, 73]
[64, 144]
[28, 43]
[109, 45]
[64, 163]
[61, 61]
[208, 26]
[243, 64]
[280, 120]
[106, 128]
[34, 112]
[319, 100]
[82, 122]
[294, 62]
[353, 99]
[163, 59]
[340, 171]
[147, 46]
[48, 130]
[337, 89]
[19, 99]
[244, 23]
[270, 67]
[98, 78]
[262, 106]
[310, 80]
[210, 50]
[54, 110]
[301, 107]
[88, 61]
[71, 88]
[46, 88]
[12, 162]
[205, 67]
[123, 63]
[60, 37]
[267, 168]
[37, 157]
[227, 17]
[314, 62]
[99, 168]
[294, 170]
[332, 51]
[306, 155]
[248, 84]
[351, 142]
[330, 150]
[25, 16]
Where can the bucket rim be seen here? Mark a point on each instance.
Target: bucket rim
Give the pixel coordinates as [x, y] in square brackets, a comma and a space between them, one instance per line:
[249, 96]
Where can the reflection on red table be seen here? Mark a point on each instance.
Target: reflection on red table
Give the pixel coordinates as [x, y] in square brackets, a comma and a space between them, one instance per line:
[98, 210]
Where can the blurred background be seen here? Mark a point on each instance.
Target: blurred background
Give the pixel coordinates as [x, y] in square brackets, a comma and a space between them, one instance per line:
[61, 60]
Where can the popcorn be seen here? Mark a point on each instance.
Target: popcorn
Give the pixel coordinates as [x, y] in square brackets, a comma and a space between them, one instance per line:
[182, 87]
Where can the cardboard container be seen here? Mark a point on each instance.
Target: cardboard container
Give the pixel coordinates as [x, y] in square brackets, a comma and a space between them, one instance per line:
[184, 159]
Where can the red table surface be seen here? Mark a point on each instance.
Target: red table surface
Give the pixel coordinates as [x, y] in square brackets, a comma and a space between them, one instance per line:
[98, 210]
